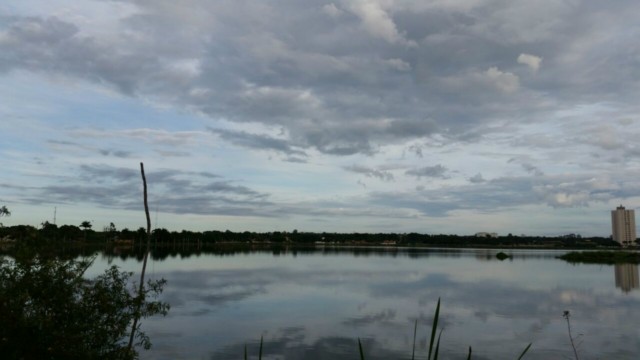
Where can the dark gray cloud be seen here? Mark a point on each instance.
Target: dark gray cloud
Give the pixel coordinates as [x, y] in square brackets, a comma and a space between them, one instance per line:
[370, 173]
[180, 192]
[116, 153]
[526, 165]
[255, 141]
[436, 171]
[477, 178]
[562, 191]
[74, 146]
[348, 78]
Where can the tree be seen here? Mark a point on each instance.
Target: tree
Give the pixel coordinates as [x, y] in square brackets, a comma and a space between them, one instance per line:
[4, 212]
[49, 231]
[70, 232]
[111, 232]
[86, 225]
[49, 310]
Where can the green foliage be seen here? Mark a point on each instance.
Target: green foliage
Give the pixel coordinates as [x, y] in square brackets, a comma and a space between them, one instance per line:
[4, 211]
[86, 225]
[49, 310]
[602, 257]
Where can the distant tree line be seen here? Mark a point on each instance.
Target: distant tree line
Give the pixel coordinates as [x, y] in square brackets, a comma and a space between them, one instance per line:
[53, 234]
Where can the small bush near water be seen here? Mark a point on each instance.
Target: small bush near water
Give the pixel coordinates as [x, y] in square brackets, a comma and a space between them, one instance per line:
[49, 310]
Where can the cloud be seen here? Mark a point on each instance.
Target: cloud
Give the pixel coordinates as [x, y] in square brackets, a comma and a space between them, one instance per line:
[256, 141]
[476, 179]
[563, 199]
[505, 81]
[179, 192]
[377, 22]
[398, 64]
[531, 61]
[375, 82]
[332, 10]
[436, 171]
[73, 147]
[525, 163]
[371, 173]
[152, 136]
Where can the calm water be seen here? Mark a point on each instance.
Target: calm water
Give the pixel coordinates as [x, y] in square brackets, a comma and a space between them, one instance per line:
[314, 305]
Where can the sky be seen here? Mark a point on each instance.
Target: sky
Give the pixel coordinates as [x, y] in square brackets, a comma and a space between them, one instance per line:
[437, 117]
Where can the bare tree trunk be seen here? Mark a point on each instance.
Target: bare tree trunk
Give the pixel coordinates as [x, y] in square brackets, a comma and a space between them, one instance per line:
[144, 263]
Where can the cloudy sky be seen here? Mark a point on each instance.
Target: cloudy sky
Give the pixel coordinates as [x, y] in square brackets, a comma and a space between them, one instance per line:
[448, 116]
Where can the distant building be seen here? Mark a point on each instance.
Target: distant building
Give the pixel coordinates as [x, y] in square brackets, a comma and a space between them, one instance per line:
[623, 225]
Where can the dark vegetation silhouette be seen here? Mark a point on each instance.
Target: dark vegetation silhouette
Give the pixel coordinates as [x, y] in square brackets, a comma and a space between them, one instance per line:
[602, 257]
[51, 234]
[50, 310]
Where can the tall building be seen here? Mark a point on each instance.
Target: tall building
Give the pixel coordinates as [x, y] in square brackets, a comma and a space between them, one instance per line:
[623, 225]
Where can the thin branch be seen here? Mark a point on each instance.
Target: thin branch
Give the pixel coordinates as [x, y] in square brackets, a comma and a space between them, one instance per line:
[144, 263]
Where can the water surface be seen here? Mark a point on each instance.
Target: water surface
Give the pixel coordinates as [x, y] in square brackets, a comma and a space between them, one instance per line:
[315, 304]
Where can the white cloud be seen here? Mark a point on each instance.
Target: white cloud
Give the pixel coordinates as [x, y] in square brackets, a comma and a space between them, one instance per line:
[531, 61]
[377, 22]
[332, 10]
[398, 64]
[563, 199]
[505, 81]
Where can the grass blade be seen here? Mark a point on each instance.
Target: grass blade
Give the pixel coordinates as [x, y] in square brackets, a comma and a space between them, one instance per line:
[360, 348]
[469, 356]
[435, 355]
[415, 331]
[434, 327]
[245, 351]
[260, 352]
[525, 351]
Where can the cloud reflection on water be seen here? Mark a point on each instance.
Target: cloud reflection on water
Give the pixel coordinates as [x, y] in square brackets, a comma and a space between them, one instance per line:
[328, 301]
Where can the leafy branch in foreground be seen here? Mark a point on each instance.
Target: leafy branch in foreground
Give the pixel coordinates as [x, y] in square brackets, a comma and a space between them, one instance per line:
[49, 310]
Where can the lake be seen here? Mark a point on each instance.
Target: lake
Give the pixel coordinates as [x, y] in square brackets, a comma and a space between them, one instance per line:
[315, 304]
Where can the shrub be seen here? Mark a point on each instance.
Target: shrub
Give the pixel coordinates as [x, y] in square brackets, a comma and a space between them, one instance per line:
[49, 310]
